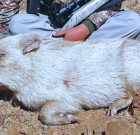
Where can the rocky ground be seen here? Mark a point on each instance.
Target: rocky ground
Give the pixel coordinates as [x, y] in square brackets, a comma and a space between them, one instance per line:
[19, 121]
[132, 4]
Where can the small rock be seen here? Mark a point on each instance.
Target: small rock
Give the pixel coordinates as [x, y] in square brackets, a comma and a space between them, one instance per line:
[14, 130]
[6, 121]
[3, 133]
[24, 130]
[21, 119]
[1, 103]
[1, 121]
[119, 128]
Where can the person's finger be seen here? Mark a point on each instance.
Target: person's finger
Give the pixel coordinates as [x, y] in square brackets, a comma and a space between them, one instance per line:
[59, 33]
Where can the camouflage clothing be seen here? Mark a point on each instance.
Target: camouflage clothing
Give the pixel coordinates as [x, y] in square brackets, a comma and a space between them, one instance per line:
[8, 8]
[99, 18]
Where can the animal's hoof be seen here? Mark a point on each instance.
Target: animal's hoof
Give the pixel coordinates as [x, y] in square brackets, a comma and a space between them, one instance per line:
[112, 111]
[58, 119]
[70, 118]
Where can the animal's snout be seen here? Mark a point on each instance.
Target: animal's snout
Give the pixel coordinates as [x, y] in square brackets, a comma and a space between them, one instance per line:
[5, 93]
[4, 87]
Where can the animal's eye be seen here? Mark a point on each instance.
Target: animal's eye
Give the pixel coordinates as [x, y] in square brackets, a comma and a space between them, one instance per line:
[2, 55]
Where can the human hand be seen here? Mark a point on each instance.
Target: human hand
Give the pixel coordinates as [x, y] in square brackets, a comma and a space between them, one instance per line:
[78, 33]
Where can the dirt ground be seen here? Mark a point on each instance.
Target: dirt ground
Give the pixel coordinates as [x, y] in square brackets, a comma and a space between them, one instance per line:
[132, 4]
[18, 121]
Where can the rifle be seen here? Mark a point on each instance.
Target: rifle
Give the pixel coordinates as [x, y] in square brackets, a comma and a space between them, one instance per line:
[84, 12]
[71, 14]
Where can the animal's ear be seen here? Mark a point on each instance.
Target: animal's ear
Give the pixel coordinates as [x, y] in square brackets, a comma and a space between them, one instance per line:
[30, 42]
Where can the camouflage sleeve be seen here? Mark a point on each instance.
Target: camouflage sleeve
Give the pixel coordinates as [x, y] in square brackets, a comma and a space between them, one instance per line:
[101, 17]
[8, 8]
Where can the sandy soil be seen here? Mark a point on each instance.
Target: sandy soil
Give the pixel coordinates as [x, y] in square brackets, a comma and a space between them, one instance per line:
[132, 4]
[19, 121]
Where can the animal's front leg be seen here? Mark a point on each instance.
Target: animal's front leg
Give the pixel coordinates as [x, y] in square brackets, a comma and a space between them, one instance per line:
[118, 105]
[58, 113]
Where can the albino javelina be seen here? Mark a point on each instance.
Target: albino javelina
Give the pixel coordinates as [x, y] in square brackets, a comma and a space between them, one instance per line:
[63, 78]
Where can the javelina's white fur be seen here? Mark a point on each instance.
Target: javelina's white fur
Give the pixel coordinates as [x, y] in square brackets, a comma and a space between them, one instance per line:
[65, 77]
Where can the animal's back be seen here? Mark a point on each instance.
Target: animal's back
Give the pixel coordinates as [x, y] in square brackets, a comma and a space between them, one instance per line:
[89, 73]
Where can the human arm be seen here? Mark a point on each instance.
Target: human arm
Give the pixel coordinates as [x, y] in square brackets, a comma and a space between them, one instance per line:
[77, 33]
[96, 20]
[82, 31]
